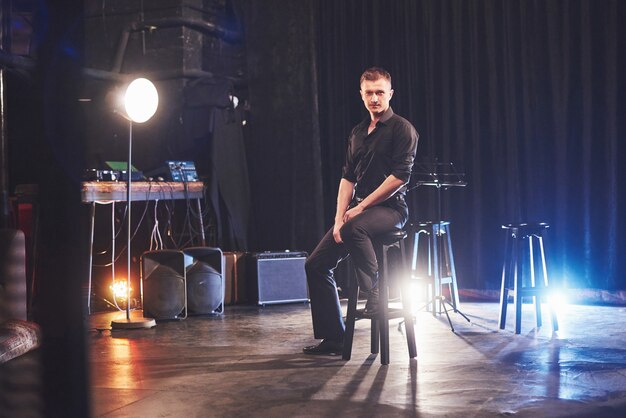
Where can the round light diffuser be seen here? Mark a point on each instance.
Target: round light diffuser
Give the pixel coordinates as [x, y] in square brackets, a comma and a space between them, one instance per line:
[141, 100]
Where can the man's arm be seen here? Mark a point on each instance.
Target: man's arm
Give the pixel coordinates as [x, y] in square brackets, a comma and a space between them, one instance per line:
[344, 196]
[383, 192]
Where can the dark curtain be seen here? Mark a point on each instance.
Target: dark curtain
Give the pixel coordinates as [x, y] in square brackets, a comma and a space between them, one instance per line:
[282, 130]
[525, 97]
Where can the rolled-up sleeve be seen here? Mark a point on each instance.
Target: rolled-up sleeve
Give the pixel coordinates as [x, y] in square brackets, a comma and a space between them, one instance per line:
[404, 149]
[348, 170]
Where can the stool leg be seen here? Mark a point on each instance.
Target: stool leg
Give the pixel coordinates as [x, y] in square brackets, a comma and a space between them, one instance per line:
[416, 243]
[436, 270]
[408, 323]
[430, 287]
[353, 295]
[384, 307]
[375, 336]
[555, 322]
[454, 292]
[504, 293]
[414, 259]
[516, 288]
[536, 291]
[375, 321]
[405, 297]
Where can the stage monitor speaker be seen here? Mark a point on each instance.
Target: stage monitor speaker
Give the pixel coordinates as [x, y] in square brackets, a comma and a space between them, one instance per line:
[205, 280]
[164, 289]
[279, 277]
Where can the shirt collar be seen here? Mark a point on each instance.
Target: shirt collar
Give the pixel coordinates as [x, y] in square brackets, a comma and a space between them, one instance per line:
[387, 115]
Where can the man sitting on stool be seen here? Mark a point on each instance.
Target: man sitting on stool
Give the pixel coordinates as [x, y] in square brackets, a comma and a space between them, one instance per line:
[370, 202]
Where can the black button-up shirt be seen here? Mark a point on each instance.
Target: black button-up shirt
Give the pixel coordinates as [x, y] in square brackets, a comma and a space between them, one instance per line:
[388, 150]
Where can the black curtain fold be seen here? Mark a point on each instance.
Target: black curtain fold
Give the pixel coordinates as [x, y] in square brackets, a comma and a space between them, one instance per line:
[282, 133]
[525, 96]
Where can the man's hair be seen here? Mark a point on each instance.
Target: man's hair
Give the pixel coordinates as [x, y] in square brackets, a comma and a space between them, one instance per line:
[375, 73]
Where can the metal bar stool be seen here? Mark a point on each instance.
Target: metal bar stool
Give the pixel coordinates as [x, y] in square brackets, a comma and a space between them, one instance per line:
[380, 322]
[441, 269]
[513, 272]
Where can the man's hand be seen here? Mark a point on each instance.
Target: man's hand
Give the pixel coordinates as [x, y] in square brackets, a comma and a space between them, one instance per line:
[336, 234]
[351, 213]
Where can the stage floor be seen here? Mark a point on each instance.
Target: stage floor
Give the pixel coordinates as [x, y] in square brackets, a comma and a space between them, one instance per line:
[249, 362]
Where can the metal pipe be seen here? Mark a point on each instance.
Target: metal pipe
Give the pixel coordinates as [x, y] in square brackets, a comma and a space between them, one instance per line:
[150, 25]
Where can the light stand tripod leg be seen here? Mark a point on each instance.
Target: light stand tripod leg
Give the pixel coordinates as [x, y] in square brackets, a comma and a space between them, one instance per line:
[456, 310]
[443, 304]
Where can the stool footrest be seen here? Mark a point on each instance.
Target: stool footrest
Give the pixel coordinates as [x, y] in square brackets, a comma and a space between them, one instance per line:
[392, 313]
[529, 291]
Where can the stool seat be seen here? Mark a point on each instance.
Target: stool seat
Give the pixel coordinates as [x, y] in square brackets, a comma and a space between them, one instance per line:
[380, 321]
[390, 237]
[513, 276]
[527, 228]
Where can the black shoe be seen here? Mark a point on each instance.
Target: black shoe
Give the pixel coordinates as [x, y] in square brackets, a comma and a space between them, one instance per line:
[326, 347]
[371, 306]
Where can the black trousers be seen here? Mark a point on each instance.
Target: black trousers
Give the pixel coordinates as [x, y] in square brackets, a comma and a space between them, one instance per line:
[358, 236]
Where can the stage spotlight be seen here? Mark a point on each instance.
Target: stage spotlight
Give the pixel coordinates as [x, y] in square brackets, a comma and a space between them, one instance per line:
[137, 101]
[419, 293]
[558, 300]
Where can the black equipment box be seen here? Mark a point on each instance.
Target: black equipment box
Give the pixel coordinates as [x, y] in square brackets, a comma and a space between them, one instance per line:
[182, 171]
[177, 171]
[277, 277]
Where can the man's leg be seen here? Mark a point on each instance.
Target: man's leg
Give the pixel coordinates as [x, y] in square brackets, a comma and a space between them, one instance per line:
[325, 307]
[358, 234]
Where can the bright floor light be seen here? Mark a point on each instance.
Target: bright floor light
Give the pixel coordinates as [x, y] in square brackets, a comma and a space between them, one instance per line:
[558, 301]
[141, 100]
[120, 289]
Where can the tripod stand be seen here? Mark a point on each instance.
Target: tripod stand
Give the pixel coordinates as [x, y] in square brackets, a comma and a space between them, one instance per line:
[441, 176]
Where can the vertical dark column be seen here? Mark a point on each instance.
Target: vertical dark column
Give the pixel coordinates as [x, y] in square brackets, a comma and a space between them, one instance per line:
[62, 258]
[5, 46]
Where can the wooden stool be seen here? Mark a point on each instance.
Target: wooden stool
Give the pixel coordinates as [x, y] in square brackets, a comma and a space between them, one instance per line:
[514, 261]
[441, 269]
[380, 322]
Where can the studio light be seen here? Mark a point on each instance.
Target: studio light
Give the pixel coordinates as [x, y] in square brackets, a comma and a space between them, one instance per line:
[141, 100]
[137, 102]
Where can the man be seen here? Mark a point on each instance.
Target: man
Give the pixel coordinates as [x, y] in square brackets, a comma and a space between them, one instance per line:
[370, 202]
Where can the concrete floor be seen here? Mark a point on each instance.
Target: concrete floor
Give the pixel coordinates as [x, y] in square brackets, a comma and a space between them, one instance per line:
[248, 362]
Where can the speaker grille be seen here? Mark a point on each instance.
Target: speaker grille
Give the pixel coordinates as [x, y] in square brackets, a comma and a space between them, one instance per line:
[205, 280]
[281, 280]
[164, 293]
[204, 288]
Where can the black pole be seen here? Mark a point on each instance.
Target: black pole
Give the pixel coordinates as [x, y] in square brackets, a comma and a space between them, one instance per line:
[129, 197]
[5, 46]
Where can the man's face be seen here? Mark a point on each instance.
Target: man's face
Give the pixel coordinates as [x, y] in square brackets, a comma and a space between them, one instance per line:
[376, 95]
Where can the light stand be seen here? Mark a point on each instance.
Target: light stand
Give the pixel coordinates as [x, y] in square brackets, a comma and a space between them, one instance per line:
[140, 104]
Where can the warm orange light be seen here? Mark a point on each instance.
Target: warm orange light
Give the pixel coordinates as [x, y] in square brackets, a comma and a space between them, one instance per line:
[119, 289]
